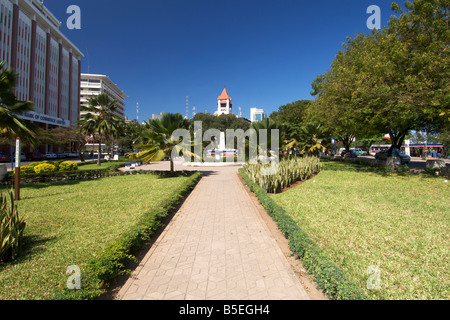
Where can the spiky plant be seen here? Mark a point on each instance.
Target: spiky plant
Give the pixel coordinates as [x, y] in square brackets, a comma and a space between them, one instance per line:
[11, 228]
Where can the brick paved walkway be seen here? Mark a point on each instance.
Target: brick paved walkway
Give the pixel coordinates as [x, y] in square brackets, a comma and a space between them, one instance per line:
[215, 247]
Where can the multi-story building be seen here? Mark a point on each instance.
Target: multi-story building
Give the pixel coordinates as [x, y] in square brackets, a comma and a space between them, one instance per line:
[95, 84]
[257, 114]
[47, 63]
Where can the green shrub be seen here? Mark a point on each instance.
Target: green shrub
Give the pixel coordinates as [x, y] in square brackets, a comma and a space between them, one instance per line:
[328, 276]
[26, 169]
[34, 164]
[45, 167]
[11, 229]
[68, 166]
[131, 155]
[288, 172]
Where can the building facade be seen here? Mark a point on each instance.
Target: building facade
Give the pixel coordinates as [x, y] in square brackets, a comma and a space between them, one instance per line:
[257, 114]
[47, 63]
[95, 84]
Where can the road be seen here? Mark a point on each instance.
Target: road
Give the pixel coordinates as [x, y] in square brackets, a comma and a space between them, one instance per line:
[416, 162]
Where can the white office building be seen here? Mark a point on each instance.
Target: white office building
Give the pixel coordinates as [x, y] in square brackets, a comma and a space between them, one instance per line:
[95, 84]
[257, 114]
[47, 63]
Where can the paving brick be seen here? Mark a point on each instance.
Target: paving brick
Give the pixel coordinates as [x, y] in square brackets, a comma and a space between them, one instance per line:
[215, 247]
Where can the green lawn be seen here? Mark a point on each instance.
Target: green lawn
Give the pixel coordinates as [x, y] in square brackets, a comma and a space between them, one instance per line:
[70, 222]
[105, 165]
[398, 222]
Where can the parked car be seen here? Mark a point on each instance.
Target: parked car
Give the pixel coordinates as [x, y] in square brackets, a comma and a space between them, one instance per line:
[383, 155]
[358, 151]
[349, 154]
[70, 154]
[61, 155]
[4, 157]
[34, 156]
[23, 157]
[50, 155]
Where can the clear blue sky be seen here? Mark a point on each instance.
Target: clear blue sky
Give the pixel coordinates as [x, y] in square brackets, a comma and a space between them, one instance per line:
[266, 52]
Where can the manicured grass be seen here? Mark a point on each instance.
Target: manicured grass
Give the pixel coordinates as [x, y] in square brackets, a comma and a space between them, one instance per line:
[105, 165]
[69, 223]
[398, 222]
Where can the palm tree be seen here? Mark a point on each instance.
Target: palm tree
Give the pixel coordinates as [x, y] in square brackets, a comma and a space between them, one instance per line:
[157, 141]
[268, 125]
[313, 138]
[99, 120]
[11, 125]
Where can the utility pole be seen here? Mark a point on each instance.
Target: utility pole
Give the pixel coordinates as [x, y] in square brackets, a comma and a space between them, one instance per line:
[137, 112]
[187, 107]
[17, 171]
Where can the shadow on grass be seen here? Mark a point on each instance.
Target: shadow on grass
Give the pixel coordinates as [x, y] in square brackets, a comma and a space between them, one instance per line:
[32, 245]
[185, 173]
[42, 185]
[329, 165]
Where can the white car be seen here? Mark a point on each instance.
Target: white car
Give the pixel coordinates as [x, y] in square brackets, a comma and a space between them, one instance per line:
[70, 154]
[50, 155]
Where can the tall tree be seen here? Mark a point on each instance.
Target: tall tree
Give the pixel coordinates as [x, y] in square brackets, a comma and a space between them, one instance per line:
[292, 114]
[100, 120]
[394, 80]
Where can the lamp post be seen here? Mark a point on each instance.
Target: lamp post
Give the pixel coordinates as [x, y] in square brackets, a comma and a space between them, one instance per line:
[17, 171]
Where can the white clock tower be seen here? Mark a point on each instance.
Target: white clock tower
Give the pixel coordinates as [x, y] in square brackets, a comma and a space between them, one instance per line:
[224, 105]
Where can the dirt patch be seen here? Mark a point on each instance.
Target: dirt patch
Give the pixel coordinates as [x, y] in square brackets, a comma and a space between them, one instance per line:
[303, 276]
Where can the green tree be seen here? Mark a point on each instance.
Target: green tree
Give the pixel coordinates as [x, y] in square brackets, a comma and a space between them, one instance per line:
[292, 114]
[11, 125]
[100, 120]
[130, 136]
[266, 127]
[158, 140]
[391, 81]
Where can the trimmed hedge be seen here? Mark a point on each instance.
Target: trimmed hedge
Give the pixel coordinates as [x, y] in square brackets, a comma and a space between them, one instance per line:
[329, 277]
[28, 176]
[105, 266]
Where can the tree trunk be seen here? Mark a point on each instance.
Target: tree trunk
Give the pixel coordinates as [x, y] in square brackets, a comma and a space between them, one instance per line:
[397, 140]
[171, 167]
[347, 141]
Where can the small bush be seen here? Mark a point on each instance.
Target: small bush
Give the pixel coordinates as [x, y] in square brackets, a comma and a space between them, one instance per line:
[11, 229]
[26, 169]
[68, 166]
[45, 167]
[34, 164]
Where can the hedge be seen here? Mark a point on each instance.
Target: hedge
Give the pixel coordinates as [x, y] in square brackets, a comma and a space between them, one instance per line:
[107, 264]
[328, 276]
[27, 178]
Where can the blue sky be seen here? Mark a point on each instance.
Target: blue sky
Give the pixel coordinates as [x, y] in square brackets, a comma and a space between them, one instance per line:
[266, 52]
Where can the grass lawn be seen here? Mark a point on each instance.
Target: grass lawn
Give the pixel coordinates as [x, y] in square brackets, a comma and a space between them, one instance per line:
[398, 222]
[69, 222]
[105, 165]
